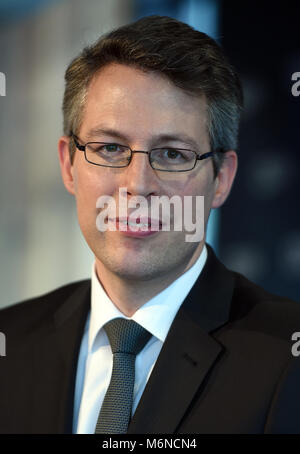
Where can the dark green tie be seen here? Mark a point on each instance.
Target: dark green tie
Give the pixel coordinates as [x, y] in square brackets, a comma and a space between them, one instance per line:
[127, 338]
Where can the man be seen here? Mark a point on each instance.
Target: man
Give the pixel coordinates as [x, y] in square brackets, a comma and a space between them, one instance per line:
[216, 350]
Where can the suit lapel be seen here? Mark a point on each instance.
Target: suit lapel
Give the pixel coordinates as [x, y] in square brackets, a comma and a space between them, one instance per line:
[189, 352]
[57, 350]
[185, 359]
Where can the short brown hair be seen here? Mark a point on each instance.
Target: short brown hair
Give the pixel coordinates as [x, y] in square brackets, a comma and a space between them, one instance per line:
[192, 60]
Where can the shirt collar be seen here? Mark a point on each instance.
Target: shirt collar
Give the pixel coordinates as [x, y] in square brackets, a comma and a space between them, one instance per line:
[156, 315]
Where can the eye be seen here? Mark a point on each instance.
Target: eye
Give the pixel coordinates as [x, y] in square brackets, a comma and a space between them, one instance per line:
[112, 147]
[176, 155]
[171, 153]
[109, 148]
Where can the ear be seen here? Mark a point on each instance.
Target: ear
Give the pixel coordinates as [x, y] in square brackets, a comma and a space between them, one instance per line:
[66, 167]
[225, 178]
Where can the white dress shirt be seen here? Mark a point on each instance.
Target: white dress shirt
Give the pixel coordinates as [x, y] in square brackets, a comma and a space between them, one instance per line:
[95, 358]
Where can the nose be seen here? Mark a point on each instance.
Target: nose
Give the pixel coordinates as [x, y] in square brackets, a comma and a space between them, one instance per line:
[139, 177]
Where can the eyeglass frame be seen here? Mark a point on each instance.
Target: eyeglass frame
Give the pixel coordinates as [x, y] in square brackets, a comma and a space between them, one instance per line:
[198, 157]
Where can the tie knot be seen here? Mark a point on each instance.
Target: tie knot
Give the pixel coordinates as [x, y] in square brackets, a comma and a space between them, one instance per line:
[126, 336]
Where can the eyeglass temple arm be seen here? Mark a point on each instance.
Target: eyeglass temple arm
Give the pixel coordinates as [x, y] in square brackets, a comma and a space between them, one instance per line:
[210, 153]
[80, 147]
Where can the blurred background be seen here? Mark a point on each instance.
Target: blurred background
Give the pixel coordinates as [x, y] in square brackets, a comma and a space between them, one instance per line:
[256, 233]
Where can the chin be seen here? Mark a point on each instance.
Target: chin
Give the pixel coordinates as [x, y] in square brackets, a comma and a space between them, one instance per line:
[131, 267]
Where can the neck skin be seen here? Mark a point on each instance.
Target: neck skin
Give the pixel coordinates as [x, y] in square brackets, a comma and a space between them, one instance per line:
[128, 296]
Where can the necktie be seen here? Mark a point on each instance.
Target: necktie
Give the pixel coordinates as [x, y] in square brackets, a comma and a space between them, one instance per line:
[127, 338]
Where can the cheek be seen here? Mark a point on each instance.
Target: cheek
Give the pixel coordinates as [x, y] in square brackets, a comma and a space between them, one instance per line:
[201, 184]
[89, 186]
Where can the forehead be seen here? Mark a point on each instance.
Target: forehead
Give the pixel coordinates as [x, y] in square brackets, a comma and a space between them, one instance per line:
[120, 96]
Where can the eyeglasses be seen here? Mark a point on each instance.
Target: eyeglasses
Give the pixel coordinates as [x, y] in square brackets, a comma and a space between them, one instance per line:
[166, 159]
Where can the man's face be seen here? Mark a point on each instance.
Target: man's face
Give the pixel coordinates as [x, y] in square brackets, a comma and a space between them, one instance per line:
[137, 109]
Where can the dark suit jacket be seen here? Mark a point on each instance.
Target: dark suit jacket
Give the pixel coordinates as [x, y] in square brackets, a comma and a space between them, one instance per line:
[226, 365]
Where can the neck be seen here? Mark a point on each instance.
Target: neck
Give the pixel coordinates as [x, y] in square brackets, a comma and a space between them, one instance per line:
[129, 295]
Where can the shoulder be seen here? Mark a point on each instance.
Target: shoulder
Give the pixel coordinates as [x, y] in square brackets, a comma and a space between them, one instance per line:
[250, 306]
[27, 313]
[254, 308]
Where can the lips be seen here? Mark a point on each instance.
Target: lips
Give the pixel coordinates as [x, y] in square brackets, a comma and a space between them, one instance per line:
[141, 223]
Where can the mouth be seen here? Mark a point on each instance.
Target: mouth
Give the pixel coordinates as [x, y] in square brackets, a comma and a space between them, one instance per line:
[140, 224]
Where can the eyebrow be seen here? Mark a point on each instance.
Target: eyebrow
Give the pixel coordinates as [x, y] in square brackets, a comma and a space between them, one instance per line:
[181, 137]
